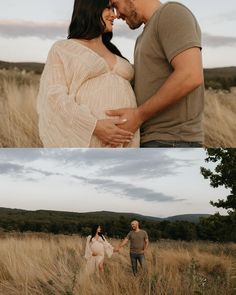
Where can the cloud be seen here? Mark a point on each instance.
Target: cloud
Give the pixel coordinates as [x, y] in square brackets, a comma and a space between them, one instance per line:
[56, 30]
[20, 171]
[9, 168]
[113, 169]
[53, 30]
[43, 30]
[126, 189]
[218, 41]
[138, 163]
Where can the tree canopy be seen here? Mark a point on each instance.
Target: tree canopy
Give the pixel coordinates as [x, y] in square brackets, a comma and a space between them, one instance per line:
[224, 174]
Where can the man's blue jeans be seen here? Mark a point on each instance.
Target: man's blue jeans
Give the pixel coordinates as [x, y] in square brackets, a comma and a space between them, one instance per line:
[135, 258]
[170, 144]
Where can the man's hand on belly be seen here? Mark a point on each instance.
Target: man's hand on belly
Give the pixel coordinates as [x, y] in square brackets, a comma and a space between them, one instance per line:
[132, 115]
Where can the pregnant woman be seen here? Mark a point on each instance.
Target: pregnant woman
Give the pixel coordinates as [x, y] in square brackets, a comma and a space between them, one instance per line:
[84, 77]
[96, 247]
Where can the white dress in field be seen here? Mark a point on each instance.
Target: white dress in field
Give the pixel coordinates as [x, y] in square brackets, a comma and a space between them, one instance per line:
[77, 88]
[98, 247]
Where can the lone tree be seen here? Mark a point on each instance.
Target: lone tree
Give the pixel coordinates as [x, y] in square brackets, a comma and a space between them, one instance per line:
[224, 174]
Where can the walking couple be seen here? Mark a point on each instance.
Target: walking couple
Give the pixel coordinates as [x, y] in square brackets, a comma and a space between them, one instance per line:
[97, 246]
[86, 98]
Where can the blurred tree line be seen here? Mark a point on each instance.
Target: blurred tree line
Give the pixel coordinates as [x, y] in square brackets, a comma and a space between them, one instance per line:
[220, 78]
[214, 228]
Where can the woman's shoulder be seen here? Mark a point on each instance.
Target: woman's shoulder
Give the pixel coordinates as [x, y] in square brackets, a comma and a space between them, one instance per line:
[58, 44]
[66, 45]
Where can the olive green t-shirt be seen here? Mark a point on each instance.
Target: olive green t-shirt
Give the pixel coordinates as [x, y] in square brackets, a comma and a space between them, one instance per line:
[171, 30]
[137, 240]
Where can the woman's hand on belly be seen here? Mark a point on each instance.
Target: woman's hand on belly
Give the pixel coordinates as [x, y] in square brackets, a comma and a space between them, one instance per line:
[107, 131]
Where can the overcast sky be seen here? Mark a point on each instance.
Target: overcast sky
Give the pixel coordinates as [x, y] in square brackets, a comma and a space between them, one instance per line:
[28, 28]
[154, 182]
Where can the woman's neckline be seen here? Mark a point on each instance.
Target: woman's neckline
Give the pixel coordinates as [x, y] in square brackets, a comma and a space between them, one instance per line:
[78, 42]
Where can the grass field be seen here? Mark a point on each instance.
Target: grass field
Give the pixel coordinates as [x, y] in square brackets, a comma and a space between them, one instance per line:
[19, 120]
[47, 264]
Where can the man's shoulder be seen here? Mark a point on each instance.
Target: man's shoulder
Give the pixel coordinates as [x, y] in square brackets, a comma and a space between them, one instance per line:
[143, 231]
[174, 8]
[173, 5]
[169, 10]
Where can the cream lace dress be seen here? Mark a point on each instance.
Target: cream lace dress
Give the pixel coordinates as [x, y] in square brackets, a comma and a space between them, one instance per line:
[76, 88]
[99, 247]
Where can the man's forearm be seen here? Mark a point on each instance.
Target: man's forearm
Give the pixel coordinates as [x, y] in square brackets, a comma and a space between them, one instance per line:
[178, 85]
[123, 243]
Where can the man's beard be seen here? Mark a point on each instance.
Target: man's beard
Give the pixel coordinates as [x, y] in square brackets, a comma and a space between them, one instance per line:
[132, 18]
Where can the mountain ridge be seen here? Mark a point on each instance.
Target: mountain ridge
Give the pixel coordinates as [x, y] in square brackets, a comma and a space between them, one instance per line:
[105, 214]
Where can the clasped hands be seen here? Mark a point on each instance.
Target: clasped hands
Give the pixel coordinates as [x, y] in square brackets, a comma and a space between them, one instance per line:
[118, 131]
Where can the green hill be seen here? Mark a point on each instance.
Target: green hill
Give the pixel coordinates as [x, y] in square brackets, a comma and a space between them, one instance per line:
[188, 217]
[99, 216]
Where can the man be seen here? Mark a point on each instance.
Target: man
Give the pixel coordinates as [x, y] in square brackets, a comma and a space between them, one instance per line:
[138, 245]
[168, 74]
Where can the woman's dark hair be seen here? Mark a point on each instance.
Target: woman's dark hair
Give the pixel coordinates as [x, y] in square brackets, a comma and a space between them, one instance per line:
[106, 39]
[94, 231]
[87, 23]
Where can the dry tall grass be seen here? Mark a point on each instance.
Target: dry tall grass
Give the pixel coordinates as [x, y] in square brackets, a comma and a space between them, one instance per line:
[19, 120]
[46, 264]
[220, 119]
[18, 116]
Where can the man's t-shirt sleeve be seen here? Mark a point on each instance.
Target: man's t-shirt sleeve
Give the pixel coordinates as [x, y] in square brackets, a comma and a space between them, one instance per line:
[178, 30]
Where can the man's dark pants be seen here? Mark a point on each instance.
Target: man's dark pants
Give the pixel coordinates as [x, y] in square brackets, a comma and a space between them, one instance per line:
[135, 258]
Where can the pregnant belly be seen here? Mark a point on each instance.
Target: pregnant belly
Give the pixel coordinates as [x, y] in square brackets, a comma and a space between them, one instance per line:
[97, 248]
[108, 95]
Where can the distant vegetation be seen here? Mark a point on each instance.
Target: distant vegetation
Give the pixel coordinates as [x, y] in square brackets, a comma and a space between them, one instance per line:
[35, 67]
[116, 225]
[220, 78]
